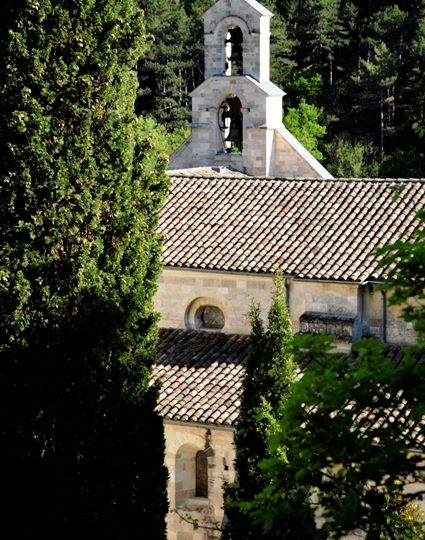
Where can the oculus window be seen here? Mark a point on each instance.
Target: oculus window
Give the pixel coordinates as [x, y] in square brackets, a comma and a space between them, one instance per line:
[210, 317]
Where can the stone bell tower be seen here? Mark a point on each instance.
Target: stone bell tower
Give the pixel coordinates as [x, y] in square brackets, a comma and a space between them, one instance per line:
[237, 111]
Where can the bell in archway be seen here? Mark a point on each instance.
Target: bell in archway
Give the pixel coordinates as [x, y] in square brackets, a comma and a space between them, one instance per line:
[236, 54]
[235, 132]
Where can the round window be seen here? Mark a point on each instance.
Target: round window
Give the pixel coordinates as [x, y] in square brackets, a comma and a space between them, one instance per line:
[209, 317]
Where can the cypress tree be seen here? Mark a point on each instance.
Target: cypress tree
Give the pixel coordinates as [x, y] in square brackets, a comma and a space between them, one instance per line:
[269, 374]
[81, 185]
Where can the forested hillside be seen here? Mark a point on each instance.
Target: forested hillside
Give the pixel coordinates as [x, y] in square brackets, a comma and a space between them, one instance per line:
[353, 70]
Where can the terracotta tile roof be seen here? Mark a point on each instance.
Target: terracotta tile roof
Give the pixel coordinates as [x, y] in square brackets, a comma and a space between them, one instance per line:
[319, 229]
[200, 374]
[201, 379]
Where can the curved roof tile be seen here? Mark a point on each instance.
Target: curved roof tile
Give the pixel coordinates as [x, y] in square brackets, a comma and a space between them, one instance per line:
[315, 229]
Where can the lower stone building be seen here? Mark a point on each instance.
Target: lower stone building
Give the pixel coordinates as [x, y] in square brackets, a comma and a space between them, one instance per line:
[224, 236]
[201, 377]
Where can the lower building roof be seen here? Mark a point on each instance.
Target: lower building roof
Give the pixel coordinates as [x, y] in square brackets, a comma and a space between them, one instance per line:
[201, 381]
[201, 375]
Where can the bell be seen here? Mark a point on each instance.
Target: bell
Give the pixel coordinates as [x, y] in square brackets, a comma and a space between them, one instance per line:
[236, 55]
[235, 132]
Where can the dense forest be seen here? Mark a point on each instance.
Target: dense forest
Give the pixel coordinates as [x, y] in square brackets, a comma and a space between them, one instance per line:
[353, 71]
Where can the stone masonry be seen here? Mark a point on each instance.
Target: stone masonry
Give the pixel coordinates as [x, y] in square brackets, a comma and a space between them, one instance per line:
[268, 149]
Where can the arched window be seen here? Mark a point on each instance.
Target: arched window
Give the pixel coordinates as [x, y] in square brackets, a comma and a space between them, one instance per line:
[234, 51]
[230, 122]
[201, 474]
[205, 313]
[191, 473]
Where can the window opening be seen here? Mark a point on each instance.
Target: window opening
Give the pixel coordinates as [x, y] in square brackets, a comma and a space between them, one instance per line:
[234, 55]
[201, 474]
[185, 473]
[209, 317]
[230, 122]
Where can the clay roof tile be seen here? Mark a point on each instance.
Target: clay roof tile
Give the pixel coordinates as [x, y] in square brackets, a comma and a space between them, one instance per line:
[323, 229]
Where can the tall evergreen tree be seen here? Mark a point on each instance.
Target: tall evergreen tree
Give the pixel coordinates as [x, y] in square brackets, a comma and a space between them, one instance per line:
[269, 374]
[81, 184]
[163, 68]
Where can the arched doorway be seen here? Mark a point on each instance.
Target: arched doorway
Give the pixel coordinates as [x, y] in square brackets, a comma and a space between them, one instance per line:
[191, 473]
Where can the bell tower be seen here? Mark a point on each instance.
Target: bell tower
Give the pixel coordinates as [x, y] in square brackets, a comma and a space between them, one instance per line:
[237, 31]
[237, 111]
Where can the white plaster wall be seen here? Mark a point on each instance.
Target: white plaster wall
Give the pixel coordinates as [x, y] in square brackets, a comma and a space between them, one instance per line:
[220, 469]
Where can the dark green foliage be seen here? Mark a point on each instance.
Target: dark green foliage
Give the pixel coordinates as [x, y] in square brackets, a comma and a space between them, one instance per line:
[81, 185]
[270, 373]
[343, 442]
[347, 160]
[162, 68]
[172, 65]
[282, 45]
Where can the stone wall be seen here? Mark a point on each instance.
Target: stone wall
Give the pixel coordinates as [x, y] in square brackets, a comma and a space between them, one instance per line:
[398, 331]
[182, 443]
[181, 291]
[256, 38]
[286, 162]
[262, 113]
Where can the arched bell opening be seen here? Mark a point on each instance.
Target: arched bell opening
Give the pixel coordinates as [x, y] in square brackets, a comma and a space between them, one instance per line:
[234, 51]
[230, 123]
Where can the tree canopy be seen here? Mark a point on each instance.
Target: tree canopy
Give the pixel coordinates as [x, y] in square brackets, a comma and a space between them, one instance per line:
[81, 186]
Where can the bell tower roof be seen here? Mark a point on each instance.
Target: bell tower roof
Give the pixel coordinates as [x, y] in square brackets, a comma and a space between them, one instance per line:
[256, 6]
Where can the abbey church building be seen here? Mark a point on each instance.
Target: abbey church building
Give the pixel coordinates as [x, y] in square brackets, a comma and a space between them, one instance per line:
[246, 198]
